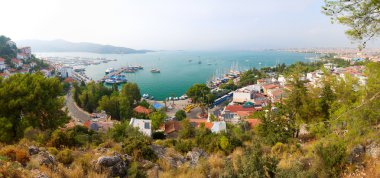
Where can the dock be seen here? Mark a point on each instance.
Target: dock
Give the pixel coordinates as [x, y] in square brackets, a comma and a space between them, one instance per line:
[117, 72]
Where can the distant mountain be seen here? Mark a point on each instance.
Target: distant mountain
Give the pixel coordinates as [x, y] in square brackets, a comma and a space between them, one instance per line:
[66, 46]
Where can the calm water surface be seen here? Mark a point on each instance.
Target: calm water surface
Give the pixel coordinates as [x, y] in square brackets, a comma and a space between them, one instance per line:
[177, 72]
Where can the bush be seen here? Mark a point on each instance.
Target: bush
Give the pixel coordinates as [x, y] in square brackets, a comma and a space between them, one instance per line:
[139, 148]
[332, 155]
[53, 150]
[15, 154]
[65, 156]
[183, 146]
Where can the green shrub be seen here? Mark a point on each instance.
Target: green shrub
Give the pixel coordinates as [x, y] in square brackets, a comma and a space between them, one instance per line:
[183, 146]
[332, 155]
[65, 156]
[53, 150]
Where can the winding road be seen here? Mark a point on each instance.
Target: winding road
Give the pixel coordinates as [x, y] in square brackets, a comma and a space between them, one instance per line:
[78, 114]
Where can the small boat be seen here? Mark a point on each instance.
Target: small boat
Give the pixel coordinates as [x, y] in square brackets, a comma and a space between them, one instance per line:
[199, 62]
[110, 70]
[190, 60]
[155, 71]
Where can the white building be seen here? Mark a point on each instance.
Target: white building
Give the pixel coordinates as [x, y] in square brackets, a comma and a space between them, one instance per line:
[66, 72]
[218, 127]
[2, 63]
[144, 125]
[245, 94]
[17, 62]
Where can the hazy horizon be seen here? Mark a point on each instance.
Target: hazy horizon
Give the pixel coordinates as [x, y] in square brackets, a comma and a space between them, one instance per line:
[176, 24]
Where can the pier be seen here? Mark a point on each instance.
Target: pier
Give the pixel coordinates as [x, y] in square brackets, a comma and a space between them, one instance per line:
[117, 72]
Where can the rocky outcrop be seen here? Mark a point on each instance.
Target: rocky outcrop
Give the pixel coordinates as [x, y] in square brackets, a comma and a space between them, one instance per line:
[175, 160]
[33, 150]
[117, 165]
[45, 158]
[194, 156]
[356, 154]
[373, 150]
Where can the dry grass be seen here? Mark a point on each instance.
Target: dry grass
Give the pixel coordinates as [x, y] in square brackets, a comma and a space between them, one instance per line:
[164, 165]
[15, 154]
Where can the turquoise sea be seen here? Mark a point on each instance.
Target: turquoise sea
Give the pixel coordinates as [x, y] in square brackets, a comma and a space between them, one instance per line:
[177, 72]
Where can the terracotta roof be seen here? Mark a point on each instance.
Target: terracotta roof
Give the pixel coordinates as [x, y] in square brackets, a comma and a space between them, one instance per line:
[197, 122]
[253, 122]
[17, 61]
[172, 126]
[209, 125]
[236, 108]
[244, 113]
[270, 86]
[142, 109]
[87, 124]
[69, 80]
[2, 59]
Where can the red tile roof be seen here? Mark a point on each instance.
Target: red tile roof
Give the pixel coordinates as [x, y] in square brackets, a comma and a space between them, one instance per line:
[270, 86]
[2, 59]
[87, 124]
[236, 108]
[142, 109]
[17, 61]
[172, 126]
[253, 122]
[69, 80]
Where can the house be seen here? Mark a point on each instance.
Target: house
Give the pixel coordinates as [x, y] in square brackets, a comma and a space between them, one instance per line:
[253, 122]
[242, 96]
[142, 110]
[144, 125]
[218, 127]
[276, 94]
[235, 113]
[17, 62]
[199, 122]
[24, 53]
[2, 63]
[266, 87]
[65, 72]
[171, 128]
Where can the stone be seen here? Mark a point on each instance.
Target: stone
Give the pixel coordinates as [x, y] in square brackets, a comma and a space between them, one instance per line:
[373, 150]
[356, 153]
[194, 156]
[108, 161]
[117, 166]
[33, 150]
[45, 158]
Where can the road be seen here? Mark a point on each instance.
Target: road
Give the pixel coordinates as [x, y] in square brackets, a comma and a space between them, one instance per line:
[75, 112]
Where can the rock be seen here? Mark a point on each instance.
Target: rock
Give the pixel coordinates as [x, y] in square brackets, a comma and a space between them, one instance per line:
[160, 151]
[33, 150]
[117, 166]
[120, 169]
[373, 150]
[44, 158]
[108, 161]
[356, 153]
[194, 156]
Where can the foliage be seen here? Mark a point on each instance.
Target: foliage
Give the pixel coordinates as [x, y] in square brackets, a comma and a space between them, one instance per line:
[65, 156]
[199, 93]
[88, 96]
[180, 115]
[183, 146]
[157, 118]
[187, 130]
[230, 85]
[333, 156]
[7, 51]
[361, 16]
[250, 77]
[111, 105]
[29, 100]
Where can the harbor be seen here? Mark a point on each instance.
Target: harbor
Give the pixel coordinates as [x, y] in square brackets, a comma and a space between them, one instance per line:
[178, 69]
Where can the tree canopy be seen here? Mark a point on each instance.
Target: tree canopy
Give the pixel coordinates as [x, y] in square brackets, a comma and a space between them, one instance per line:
[29, 100]
[361, 16]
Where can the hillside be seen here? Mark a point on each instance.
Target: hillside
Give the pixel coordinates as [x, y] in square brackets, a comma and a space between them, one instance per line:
[66, 46]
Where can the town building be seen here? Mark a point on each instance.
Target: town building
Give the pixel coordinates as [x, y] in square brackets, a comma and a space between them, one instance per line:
[17, 62]
[2, 64]
[144, 125]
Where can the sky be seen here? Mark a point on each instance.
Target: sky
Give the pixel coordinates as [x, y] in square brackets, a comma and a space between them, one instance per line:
[175, 24]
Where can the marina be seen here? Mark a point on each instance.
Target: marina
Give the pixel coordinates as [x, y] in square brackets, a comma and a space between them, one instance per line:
[178, 69]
